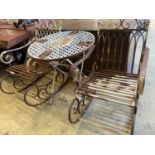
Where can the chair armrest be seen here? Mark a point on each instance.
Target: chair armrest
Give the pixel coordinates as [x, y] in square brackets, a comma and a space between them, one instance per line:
[30, 63]
[8, 53]
[142, 73]
[80, 61]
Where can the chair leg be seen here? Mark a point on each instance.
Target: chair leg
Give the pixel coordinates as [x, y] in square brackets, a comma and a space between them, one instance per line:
[134, 117]
[84, 104]
[135, 110]
[40, 91]
[133, 123]
[78, 108]
[6, 85]
[35, 95]
[11, 84]
[73, 113]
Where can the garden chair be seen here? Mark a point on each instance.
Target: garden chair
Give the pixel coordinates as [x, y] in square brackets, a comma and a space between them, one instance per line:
[22, 76]
[118, 73]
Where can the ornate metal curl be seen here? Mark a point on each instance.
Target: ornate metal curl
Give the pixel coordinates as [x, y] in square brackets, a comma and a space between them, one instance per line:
[77, 108]
[123, 24]
[16, 84]
[6, 57]
[43, 92]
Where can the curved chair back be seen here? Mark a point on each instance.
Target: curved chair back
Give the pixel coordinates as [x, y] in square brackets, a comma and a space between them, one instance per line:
[46, 28]
[121, 44]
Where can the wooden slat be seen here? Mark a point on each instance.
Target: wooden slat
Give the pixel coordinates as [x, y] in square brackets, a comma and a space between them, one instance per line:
[21, 71]
[123, 94]
[106, 98]
[123, 112]
[96, 127]
[111, 126]
[113, 87]
[116, 73]
[114, 91]
[124, 119]
[111, 105]
[108, 94]
[114, 121]
[125, 82]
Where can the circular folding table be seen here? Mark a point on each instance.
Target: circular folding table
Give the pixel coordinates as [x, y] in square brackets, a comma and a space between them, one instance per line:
[61, 45]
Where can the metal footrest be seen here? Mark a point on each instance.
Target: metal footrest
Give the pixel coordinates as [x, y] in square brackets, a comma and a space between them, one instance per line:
[108, 118]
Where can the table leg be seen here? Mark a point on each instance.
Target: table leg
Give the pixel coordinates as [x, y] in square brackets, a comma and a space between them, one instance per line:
[64, 81]
[53, 83]
[82, 66]
[76, 72]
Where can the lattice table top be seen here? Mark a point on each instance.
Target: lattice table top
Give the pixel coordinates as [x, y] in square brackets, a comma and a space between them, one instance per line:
[61, 45]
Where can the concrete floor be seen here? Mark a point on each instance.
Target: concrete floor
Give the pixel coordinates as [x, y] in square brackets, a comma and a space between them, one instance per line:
[145, 120]
[18, 118]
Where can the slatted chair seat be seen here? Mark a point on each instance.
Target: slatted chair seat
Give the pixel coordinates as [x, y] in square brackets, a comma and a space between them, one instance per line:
[33, 74]
[118, 88]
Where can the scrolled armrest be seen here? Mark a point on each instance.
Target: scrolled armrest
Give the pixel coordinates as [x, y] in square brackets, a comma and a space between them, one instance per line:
[6, 56]
[142, 73]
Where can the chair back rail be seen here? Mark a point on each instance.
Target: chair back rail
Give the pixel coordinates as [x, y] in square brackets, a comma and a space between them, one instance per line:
[120, 46]
[46, 29]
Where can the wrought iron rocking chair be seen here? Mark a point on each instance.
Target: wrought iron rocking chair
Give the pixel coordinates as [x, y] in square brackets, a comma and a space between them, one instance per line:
[115, 76]
[25, 75]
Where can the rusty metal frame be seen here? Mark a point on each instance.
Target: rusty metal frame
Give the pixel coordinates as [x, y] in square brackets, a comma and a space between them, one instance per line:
[111, 40]
[33, 70]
